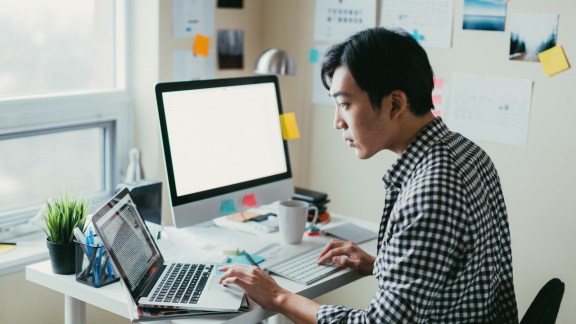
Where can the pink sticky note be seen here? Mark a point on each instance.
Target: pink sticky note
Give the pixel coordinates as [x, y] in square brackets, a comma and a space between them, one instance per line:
[249, 200]
[437, 99]
[438, 83]
[436, 112]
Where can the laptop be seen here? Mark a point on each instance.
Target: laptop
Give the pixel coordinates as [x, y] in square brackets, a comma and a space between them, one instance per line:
[150, 280]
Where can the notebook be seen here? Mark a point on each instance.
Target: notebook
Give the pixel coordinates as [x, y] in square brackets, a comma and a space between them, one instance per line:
[144, 271]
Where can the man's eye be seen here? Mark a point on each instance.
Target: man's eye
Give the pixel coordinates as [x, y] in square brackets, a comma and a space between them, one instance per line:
[343, 105]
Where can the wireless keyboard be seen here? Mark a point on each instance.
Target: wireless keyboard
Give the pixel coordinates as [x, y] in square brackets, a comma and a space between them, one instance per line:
[302, 268]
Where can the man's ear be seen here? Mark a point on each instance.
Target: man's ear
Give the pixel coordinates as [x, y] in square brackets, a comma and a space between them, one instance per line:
[399, 103]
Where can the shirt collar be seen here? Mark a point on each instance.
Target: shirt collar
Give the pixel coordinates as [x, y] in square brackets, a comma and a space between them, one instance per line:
[401, 169]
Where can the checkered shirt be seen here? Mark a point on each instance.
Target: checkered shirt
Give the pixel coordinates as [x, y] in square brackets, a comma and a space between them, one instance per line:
[444, 241]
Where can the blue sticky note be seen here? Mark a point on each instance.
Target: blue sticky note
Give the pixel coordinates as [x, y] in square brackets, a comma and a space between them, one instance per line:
[227, 207]
[313, 55]
[240, 258]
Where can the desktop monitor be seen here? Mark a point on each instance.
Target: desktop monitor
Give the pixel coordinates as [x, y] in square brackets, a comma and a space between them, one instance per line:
[223, 146]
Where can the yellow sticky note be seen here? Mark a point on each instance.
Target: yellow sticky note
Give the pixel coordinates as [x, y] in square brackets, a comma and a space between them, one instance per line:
[6, 248]
[289, 126]
[553, 60]
[201, 45]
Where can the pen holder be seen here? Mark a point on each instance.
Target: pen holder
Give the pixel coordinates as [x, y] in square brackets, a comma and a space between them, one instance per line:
[93, 265]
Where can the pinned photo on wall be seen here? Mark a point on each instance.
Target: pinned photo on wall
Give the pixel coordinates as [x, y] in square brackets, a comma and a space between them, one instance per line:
[484, 15]
[530, 34]
[230, 49]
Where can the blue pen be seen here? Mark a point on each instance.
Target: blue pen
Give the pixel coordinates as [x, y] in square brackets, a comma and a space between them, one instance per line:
[109, 270]
[91, 236]
[97, 266]
[88, 247]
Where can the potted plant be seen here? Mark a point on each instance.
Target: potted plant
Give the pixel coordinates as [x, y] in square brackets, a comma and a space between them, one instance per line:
[62, 214]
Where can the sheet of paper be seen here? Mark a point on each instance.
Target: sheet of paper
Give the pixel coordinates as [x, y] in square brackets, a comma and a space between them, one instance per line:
[208, 242]
[489, 108]
[554, 60]
[186, 66]
[429, 22]
[335, 20]
[289, 126]
[191, 17]
[320, 95]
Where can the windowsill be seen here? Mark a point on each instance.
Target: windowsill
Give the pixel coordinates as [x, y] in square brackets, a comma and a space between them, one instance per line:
[30, 249]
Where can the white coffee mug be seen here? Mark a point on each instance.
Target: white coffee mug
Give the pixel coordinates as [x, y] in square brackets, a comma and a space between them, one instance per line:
[292, 216]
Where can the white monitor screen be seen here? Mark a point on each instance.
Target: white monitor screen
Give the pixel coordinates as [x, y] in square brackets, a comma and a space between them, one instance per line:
[221, 136]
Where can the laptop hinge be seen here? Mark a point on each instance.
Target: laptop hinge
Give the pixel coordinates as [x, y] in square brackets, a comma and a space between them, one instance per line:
[148, 288]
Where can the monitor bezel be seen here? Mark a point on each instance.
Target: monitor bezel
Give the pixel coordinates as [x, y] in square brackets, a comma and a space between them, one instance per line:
[161, 88]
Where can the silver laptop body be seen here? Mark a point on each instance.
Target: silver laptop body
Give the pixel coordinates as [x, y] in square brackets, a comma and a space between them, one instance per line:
[142, 268]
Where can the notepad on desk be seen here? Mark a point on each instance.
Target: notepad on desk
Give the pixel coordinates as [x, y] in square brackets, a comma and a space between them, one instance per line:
[351, 232]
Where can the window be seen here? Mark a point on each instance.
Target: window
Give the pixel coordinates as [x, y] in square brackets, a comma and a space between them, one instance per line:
[65, 124]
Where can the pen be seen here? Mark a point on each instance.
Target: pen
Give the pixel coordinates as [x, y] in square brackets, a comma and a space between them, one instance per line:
[249, 258]
[7, 243]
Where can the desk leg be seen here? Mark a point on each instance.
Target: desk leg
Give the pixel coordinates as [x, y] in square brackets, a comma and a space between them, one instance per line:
[74, 311]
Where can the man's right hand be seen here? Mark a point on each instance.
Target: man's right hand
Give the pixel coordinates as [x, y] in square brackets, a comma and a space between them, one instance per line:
[348, 255]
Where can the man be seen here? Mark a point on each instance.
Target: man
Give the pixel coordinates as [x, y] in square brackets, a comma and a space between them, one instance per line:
[444, 251]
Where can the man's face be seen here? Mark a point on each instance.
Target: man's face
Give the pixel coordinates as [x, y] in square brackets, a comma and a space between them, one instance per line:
[365, 129]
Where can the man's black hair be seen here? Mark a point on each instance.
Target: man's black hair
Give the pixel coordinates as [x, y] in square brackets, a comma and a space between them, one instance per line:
[381, 61]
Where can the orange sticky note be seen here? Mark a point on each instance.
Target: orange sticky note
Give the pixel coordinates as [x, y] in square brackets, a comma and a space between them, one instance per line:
[201, 45]
[553, 60]
[249, 200]
[289, 126]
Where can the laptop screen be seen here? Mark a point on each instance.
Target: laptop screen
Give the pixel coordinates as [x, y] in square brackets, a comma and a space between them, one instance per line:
[128, 242]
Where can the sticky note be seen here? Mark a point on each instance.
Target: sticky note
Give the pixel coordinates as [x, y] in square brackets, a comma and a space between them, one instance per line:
[289, 126]
[436, 113]
[249, 200]
[313, 55]
[438, 83]
[201, 45]
[227, 207]
[417, 36]
[5, 248]
[553, 60]
[437, 99]
[241, 258]
[230, 249]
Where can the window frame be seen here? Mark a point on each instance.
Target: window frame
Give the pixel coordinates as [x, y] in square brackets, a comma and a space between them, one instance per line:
[48, 113]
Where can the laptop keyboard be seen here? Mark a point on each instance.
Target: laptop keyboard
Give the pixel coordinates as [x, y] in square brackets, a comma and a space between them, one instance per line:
[303, 268]
[182, 283]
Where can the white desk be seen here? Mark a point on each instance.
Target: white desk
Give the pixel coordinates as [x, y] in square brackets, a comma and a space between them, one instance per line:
[112, 297]
[29, 249]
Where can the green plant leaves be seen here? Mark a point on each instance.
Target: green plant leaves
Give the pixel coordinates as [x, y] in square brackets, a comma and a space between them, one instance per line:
[62, 215]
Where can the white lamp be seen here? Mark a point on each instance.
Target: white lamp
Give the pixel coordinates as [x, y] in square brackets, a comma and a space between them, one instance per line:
[275, 61]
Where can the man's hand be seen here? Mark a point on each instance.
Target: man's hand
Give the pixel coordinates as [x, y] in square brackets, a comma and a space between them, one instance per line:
[262, 288]
[348, 255]
[256, 283]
